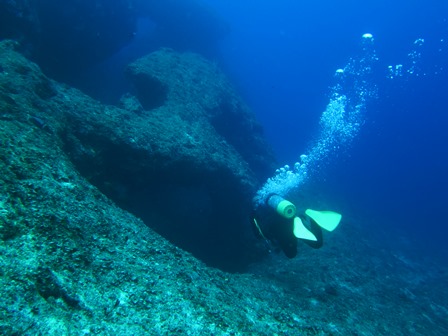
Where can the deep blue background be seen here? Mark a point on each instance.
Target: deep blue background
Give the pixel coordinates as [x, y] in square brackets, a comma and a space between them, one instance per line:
[282, 55]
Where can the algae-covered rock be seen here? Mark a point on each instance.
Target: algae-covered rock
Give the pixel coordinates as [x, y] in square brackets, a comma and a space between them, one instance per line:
[71, 260]
[195, 89]
[174, 166]
[186, 150]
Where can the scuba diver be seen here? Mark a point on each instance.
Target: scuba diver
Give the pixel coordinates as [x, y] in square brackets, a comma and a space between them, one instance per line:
[278, 224]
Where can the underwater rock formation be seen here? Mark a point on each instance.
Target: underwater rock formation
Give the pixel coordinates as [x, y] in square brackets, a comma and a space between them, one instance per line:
[68, 249]
[186, 167]
[186, 149]
[198, 92]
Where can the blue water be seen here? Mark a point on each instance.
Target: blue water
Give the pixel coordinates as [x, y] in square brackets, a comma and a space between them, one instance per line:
[283, 56]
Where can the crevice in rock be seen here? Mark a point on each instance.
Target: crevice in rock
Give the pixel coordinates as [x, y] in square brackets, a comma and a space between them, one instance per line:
[150, 92]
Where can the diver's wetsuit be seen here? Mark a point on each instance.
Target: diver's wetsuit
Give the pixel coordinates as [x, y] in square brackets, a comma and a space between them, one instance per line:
[280, 230]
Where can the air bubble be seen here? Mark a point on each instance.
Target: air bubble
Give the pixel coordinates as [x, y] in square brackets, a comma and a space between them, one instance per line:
[339, 123]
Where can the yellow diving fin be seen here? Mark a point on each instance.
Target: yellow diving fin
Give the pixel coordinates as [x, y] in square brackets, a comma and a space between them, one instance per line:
[328, 220]
[301, 232]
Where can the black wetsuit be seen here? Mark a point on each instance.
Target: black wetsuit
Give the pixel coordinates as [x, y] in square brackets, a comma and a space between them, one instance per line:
[280, 231]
